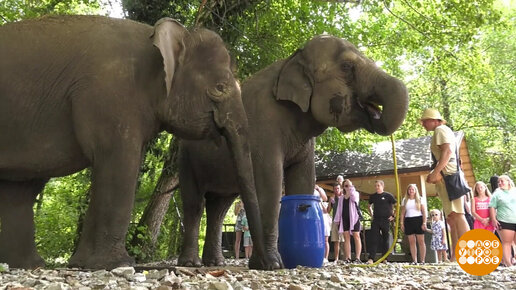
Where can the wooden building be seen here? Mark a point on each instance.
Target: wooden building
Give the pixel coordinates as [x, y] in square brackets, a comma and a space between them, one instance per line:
[413, 159]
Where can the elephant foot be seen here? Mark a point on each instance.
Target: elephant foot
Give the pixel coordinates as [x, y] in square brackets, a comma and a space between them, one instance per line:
[189, 261]
[100, 261]
[217, 260]
[270, 262]
[23, 262]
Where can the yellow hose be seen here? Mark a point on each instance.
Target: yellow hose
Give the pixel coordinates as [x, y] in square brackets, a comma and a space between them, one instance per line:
[398, 203]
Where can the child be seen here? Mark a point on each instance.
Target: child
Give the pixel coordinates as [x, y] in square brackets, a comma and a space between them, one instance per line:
[248, 243]
[480, 207]
[438, 236]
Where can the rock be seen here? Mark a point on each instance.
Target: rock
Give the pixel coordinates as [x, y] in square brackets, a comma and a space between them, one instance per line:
[57, 286]
[138, 277]
[220, 285]
[123, 271]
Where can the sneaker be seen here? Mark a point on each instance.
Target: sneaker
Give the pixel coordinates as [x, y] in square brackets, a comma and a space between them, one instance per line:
[413, 263]
[347, 261]
[356, 261]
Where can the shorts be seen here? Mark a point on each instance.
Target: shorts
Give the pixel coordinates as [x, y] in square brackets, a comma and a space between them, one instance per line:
[456, 205]
[335, 235]
[507, 226]
[356, 228]
[413, 225]
[248, 241]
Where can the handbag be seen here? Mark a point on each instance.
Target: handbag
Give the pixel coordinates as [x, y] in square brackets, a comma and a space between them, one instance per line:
[456, 185]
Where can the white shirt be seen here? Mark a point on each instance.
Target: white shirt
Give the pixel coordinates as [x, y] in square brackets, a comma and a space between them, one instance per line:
[411, 209]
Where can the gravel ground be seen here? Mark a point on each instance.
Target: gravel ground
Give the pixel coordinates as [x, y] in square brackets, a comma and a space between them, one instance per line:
[235, 275]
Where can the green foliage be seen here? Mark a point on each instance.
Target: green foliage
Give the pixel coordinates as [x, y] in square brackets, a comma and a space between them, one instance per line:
[15, 10]
[57, 214]
[143, 235]
[433, 202]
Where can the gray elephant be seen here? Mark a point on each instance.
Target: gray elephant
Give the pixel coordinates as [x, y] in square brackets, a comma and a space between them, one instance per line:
[327, 83]
[89, 91]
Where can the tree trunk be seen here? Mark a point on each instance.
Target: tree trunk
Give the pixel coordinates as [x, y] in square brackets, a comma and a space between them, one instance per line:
[157, 207]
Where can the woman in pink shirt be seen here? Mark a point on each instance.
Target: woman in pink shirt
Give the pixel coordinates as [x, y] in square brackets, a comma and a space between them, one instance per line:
[480, 207]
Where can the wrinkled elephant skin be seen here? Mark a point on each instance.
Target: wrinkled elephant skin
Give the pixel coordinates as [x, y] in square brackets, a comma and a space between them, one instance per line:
[91, 91]
[328, 83]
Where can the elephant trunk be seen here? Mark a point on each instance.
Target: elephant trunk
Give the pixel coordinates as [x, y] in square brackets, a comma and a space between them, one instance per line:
[233, 123]
[392, 95]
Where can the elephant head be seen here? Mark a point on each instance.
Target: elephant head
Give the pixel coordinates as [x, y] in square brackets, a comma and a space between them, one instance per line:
[342, 88]
[201, 90]
[210, 105]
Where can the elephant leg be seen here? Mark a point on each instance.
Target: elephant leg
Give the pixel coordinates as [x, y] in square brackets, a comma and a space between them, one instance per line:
[300, 176]
[17, 246]
[102, 241]
[193, 206]
[269, 181]
[216, 209]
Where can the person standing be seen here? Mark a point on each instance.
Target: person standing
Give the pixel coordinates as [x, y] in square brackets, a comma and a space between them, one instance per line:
[340, 180]
[480, 207]
[443, 147]
[318, 191]
[248, 242]
[502, 208]
[382, 210]
[350, 224]
[413, 222]
[240, 213]
[438, 232]
[468, 211]
[336, 235]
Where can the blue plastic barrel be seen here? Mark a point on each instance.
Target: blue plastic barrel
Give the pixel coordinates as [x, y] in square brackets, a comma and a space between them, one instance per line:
[301, 231]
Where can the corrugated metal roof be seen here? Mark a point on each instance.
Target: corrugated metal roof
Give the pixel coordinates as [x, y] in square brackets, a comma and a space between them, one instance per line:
[412, 155]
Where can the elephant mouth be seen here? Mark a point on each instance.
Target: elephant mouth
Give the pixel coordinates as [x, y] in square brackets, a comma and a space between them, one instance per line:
[373, 110]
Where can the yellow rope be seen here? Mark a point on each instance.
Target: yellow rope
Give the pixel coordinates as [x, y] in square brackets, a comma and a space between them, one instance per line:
[398, 203]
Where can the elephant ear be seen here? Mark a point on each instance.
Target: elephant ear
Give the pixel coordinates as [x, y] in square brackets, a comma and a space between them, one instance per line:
[168, 38]
[293, 83]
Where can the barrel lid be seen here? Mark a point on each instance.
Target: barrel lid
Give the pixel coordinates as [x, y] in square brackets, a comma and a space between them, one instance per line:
[301, 197]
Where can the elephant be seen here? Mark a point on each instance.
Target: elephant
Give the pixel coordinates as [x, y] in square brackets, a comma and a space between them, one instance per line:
[326, 83]
[91, 91]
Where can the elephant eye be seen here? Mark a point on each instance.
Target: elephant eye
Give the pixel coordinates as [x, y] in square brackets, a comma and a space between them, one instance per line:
[346, 66]
[221, 87]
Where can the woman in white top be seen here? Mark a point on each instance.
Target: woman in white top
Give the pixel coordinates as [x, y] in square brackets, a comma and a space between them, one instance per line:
[413, 222]
[318, 191]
